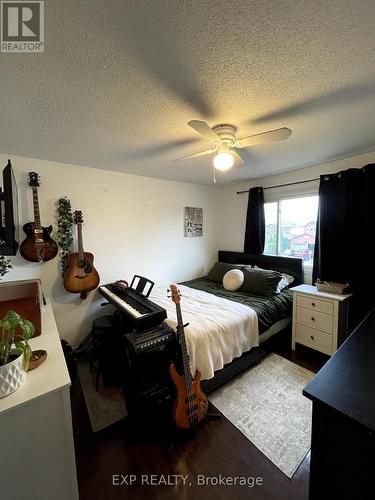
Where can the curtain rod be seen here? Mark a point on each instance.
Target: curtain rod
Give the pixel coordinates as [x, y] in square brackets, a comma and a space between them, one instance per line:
[282, 185]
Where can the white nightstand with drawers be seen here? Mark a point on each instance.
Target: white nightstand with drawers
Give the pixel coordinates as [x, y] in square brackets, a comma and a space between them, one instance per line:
[320, 319]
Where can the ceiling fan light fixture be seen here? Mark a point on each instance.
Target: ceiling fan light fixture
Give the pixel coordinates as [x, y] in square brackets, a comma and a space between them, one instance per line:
[226, 147]
[223, 161]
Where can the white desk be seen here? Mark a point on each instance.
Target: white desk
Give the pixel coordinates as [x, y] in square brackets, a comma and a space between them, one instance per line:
[37, 450]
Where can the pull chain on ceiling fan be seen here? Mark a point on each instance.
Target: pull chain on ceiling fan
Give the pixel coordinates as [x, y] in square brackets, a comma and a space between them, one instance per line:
[226, 147]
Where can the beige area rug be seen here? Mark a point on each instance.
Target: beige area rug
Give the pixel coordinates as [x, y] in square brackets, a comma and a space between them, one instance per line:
[266, 404]
[106, 406]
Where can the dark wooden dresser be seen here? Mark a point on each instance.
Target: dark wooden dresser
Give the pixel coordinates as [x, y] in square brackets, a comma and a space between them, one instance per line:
[343, 421]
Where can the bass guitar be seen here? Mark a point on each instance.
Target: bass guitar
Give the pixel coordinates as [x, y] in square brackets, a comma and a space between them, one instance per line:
[81, 275]
[38, 246]
[191, 403]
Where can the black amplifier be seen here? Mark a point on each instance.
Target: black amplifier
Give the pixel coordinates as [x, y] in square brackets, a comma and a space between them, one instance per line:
[153, 338]
[149, 390]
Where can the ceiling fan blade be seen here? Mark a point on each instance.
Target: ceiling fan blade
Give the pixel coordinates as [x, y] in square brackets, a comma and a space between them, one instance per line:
[242, 154]
[196, 155]
[278, 134]
[238, 158]
[203, 129]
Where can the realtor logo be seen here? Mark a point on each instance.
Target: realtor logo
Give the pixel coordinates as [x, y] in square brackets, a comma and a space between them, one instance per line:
[22, 26]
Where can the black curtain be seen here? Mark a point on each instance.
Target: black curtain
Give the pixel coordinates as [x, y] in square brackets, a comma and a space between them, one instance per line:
[344, 251]
[255, 229]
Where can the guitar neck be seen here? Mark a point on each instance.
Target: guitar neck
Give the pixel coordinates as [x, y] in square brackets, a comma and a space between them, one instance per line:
[80, 242]
[36, 209]
[185, 356]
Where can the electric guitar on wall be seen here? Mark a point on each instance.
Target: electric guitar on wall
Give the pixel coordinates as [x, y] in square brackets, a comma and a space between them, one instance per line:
[38, 246]
[81, 275]
[191, 403]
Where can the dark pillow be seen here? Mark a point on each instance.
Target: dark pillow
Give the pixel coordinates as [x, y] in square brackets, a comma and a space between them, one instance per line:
[260, 281]
[219, 269]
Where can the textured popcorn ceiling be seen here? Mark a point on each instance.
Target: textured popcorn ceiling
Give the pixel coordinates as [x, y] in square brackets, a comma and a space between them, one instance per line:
[119, 80]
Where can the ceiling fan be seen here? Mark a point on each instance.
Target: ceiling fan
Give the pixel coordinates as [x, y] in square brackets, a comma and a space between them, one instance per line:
[226, 147]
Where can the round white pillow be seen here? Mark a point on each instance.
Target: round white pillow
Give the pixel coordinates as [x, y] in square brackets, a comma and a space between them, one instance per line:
[233, 280]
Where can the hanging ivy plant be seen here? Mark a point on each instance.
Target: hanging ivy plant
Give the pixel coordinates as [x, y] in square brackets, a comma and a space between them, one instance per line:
[64, 230]
[5, 265]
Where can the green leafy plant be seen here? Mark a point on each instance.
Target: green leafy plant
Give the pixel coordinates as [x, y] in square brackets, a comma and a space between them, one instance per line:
[64, 230]
[10, 323]
[5, 265]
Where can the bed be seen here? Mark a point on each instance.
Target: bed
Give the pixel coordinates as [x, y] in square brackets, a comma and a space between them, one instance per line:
[228, 330]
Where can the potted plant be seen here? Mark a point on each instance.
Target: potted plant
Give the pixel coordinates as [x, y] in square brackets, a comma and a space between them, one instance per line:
[15, 351]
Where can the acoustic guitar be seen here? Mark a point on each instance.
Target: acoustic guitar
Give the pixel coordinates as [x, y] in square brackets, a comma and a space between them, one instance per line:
[81, 275]
[191, 403]
[38, 246]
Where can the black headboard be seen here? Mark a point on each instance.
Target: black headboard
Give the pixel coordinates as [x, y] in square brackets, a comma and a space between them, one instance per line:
[289, 265]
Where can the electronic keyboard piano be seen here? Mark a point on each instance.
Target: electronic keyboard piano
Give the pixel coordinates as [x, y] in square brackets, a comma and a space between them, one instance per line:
[142, 311]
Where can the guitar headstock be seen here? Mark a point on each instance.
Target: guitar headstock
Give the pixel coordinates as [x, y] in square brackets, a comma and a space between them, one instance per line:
[176, 297]
[77, 217]
[34, 179]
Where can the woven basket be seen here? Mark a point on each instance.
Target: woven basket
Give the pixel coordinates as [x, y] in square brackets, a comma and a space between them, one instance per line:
[331, 287]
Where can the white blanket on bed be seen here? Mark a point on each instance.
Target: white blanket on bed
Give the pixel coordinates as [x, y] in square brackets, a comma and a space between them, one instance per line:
[219, 329]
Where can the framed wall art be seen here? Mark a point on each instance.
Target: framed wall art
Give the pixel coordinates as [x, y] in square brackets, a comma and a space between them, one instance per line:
[193, 222]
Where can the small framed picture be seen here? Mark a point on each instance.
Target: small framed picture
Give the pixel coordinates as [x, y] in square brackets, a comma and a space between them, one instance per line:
[193, 222]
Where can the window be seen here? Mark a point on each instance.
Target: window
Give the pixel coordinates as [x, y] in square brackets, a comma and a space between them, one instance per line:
[291, 227]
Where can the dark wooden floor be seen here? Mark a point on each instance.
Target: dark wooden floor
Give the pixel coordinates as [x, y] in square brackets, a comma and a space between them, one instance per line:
[215, 448]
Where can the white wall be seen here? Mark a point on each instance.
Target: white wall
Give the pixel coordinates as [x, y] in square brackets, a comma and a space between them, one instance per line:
[232, 207]
[133, 225]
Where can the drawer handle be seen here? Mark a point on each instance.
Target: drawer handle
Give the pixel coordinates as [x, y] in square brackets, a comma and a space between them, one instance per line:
[312, 318]
[312, 337]
[313, 304]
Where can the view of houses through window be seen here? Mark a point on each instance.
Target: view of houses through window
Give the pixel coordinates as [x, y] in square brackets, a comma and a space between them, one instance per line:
[291, 227]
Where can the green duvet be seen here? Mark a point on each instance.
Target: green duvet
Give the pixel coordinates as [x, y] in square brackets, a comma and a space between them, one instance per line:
[268, 309]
